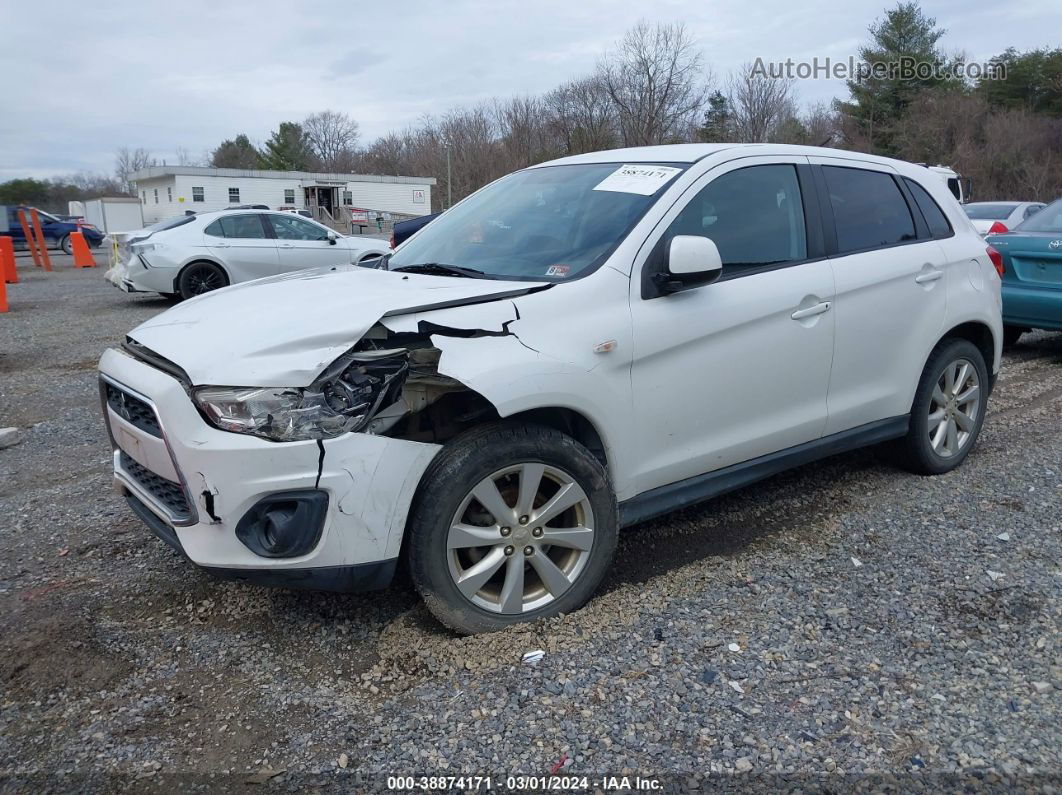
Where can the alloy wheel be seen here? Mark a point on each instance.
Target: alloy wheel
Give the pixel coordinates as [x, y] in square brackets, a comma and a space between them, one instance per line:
[203, 280]
[954, 408]
[520, 538]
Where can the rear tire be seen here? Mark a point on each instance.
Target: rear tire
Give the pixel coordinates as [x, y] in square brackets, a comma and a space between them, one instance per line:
[532, 563]
[948, 410]
[199, 278]
[1011, 335]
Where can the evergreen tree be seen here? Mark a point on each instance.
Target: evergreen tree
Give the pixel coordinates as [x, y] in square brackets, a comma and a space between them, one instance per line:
[236, 153]
[718, 119]
[288, 149]
[1033, 82]
[904, 37]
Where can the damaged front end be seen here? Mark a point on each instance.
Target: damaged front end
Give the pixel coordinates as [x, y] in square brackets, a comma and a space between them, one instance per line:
[387, 384]
[427, 406]
[344, 398]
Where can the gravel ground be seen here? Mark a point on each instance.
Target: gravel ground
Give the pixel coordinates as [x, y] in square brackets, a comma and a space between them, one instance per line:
[843, 625]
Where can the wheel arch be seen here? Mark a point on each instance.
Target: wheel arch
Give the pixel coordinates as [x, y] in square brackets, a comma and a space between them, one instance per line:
[980, 334]
[571, 423]
[364, 255]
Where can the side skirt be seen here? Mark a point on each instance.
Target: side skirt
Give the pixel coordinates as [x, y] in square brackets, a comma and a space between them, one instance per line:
[691, 491]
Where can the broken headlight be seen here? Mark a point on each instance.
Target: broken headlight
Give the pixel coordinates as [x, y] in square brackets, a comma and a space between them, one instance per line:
[343, 399]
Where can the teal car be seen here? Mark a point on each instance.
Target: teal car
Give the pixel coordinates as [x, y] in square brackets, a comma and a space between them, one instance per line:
[1032, 273]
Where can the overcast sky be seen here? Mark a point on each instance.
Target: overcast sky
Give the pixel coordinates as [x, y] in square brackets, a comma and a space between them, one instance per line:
[82, 79]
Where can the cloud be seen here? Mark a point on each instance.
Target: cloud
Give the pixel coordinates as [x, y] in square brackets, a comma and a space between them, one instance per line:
[193, 73]
[354, 62]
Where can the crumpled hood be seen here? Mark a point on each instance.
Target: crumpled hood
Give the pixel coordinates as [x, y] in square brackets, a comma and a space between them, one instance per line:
[284, 330]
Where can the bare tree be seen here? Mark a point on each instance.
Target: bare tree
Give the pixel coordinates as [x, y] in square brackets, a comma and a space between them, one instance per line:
[759, 104]
[657, 83]
[582, 116]
[333, 137]
[127, 162]
[186, 158]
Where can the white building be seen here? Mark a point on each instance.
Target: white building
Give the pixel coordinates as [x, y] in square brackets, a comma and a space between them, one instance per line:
[168, 191]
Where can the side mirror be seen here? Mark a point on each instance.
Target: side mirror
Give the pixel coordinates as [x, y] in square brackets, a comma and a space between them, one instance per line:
[691, 261]
[331, 238]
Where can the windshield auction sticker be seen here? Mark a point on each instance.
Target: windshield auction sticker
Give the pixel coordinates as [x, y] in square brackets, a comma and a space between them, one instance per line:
[642, 179]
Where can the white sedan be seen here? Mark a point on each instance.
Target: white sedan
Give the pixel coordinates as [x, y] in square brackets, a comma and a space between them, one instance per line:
[999, 217]
[194, 254]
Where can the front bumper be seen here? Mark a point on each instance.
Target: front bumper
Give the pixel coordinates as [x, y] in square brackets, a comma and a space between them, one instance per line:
[192, 483]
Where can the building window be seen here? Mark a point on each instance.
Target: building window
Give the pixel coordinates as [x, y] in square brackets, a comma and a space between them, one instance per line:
[156, 195]
[289, 196]
[143, 197]
[234, 195]
[197, 195]
[347, 198]
[169, 194]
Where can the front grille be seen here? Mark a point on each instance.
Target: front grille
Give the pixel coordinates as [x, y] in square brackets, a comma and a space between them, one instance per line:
[167, 492]
[134, 410]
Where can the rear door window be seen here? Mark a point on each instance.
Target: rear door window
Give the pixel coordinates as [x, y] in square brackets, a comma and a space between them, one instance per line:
[869, 209]
[237, 226]
[935, 218]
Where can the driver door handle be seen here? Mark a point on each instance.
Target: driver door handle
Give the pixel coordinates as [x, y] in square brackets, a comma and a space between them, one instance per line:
[811, 311]
[928, 276]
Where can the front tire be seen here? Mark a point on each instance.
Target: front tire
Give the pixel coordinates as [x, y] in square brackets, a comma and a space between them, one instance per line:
[66, 244]
[199, 278]
[948, 409]
[512, 522]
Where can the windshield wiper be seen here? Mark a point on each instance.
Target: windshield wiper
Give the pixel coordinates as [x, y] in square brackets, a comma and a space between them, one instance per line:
[441, 269]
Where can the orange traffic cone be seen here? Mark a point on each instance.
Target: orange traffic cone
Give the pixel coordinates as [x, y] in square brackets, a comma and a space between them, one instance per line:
[82, 256]
[3, 296]
[7, 260]
[42, 244]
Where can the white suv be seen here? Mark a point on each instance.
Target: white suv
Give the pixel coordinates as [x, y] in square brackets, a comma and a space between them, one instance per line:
[577, 347]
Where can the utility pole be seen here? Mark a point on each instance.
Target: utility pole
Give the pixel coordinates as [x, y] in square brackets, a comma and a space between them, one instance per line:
[449, 181]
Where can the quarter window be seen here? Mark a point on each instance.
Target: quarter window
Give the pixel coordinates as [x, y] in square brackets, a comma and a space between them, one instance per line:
[291, 227]
[289, 196]
[868, 208]
[198, 195]
[234, 195]
[754, 216]
[935, 218]
[239, 226]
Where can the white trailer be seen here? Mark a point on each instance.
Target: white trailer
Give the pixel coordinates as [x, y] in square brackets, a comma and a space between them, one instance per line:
[115, 214]
[960, 187]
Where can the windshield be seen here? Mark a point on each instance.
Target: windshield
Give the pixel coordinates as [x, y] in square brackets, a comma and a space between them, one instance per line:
[988, 212]
[47, 218]
[1049, 219]
[543, 224]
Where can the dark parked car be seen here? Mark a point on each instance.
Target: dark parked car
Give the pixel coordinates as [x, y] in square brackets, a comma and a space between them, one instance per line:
[56, 231]
[405, 229]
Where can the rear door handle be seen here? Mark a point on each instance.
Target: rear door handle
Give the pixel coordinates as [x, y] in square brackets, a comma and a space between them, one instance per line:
[811, 311]
[221, 245]
[928, 276]
[286, 245]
